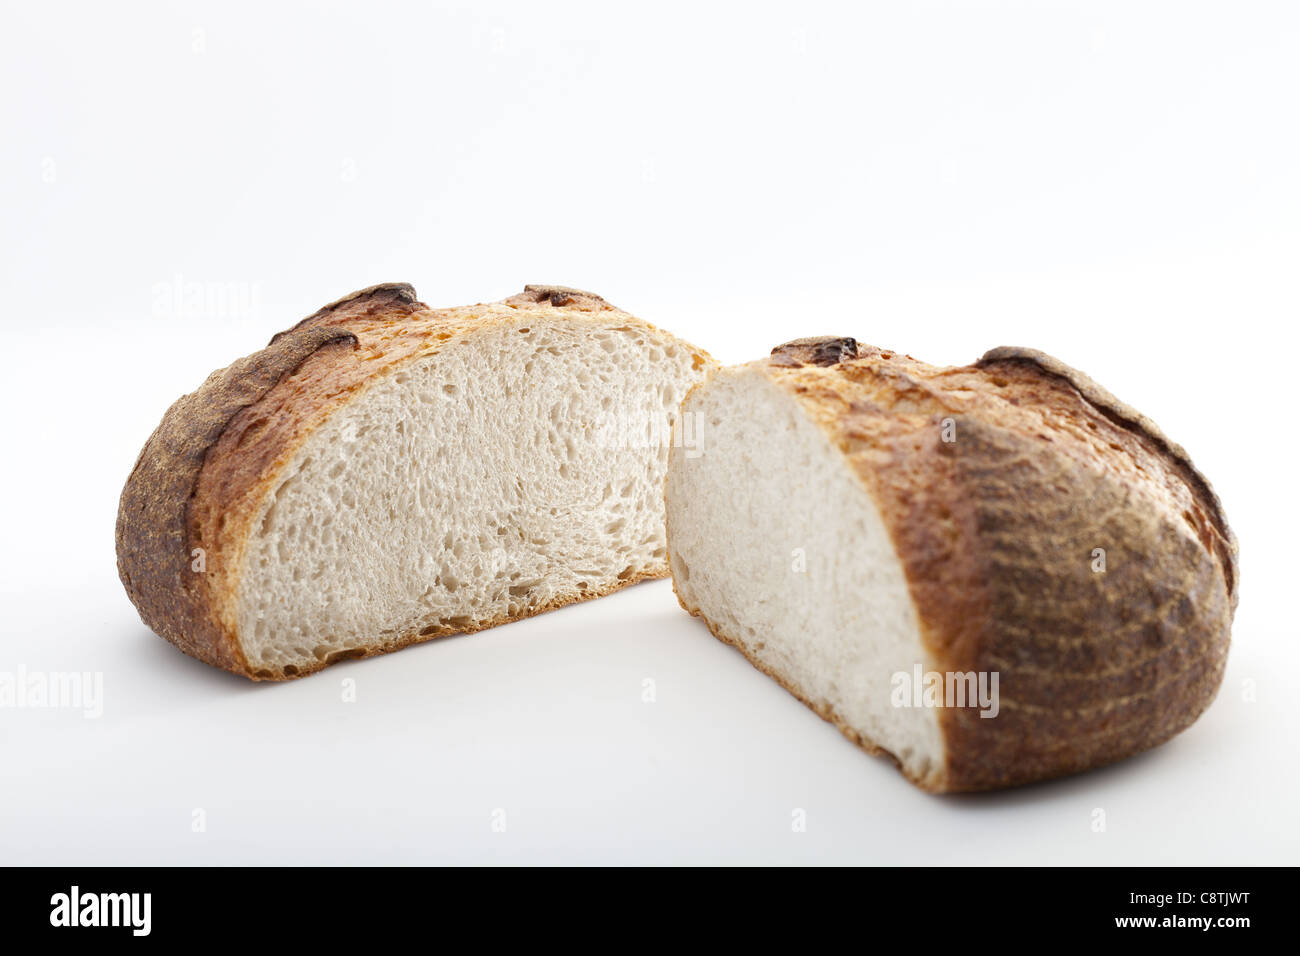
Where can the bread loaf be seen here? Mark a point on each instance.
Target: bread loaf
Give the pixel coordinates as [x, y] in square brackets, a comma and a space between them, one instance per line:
[383, 473]
[992, 574]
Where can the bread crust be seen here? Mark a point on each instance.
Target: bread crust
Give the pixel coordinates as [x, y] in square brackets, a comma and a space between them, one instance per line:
[187, 509]
[996, 530]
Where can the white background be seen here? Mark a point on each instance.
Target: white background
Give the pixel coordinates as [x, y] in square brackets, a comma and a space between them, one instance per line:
[1117, 184]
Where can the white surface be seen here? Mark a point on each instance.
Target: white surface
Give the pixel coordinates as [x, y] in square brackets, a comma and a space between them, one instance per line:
[1117, 184]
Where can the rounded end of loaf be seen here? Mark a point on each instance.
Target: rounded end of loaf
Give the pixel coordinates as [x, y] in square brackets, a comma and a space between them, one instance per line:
[1048, 538]
[218, 477]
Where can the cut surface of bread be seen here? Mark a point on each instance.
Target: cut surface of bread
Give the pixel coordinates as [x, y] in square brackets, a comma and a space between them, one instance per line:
[384, 473]
[763, 521]
[993, 574]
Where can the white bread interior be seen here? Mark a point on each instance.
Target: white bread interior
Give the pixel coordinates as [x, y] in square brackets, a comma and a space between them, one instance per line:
[517, 470]
[775, 542]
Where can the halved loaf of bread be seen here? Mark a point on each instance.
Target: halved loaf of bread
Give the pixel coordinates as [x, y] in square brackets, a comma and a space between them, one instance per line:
[383, 473]
[993, 574]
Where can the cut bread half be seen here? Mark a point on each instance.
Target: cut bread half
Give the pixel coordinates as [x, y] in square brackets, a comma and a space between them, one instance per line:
[993, 574]
[383, 473]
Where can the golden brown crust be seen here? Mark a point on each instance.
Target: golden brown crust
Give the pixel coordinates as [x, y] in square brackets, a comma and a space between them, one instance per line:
[160, 560]
[821, 350]
[999, 531]
[1224, 541]
[202, 476]
[561, 297]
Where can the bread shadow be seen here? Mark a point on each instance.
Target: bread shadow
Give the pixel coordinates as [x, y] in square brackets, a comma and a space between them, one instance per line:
[159, 654]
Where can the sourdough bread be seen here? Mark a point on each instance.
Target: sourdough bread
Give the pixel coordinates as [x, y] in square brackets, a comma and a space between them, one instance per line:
[383, 473]
[857, 523]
